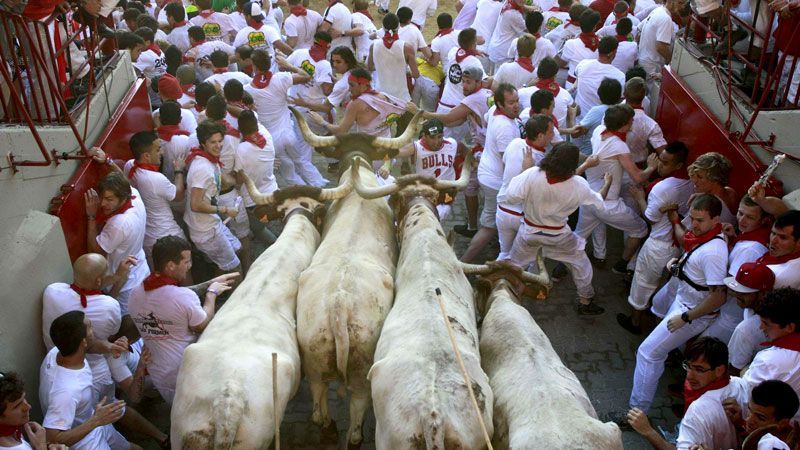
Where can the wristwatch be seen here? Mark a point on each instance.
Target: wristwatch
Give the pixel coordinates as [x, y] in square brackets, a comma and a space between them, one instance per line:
[685, 317]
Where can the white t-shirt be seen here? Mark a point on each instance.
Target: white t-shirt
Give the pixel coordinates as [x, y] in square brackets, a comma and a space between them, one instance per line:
[422, 10]
[669, 190]
[216, 25]
[202, 174]
[340, 94]
[303, 28]
[607, 150]
[157, 193]
[23, 445]
[123, 236]
[478, 103]
[590, 73]
[207, 48]
[512, 160]
[553, 17]
[258, 164]
[657, 27]
[444, 44]
[643, 130]
[438, 163]
[787, 274]
[514, 74]
[775, 363]
[562, 102]
[705, 421]
[500, 131]
[176, 148]
[363, 42]
[259, 39]
[562, 33]
[466, 15]
[453, 93]
[611, 21]
[223, 77]
[707, 266]
[163, 317]
[341, 20]
[272, 103]
[67, 400]
[544, 49]
[179, 37]
[771, 442]
[320, 72]
[550, 204]
[510, 24]
[574, 51]
[744, 252]
[151, 64]
[627, 55]
[486, 18]
[411, 34]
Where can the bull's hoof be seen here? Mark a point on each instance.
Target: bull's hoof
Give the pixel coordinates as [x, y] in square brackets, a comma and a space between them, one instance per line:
[351, 446]
[329, 433]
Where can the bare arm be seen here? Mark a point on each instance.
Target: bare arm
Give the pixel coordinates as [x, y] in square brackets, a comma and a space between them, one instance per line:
[291, 41]
[411, 60]
[350, 114]
[104, 414]
[200, 205]
[282, 46]
[452, 118]
[714, 300]
[665, 50]
[180, 182]
[607, 179]
[638, 176]
[210, 305]
[370, 60]
[641, 425]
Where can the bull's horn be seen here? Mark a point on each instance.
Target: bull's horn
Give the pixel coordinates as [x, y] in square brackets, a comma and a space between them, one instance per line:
[408, 135]
[370, 192]
[543, 277]
[463, 179]
[337, 192]
[255, 194]
[312, 138]
[475, 269]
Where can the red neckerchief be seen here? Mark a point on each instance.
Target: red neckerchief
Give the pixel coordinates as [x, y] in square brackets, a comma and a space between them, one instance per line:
[769, 259]
[155, 48]
[199, 108]
[555, 121]
[461, 54]
[229, 130]
[365, 12]
[83, 293]
[512, 5]
[256, 139]
[690, 240]
[206, 13]
[179, 24]
[155, 281]
[198, 43]
[425, 146]
[261, 79]
[197, 151]
[533, 145]
[389, 38]
[298, 10]
[789, 342]
[549, 84]
[220, 70]
[362, 81]
[525, 63]
[680, 173]
[167, 132]
[690, 395]
[621, 38]
[590, 40]
[319, 50]
[618, 134]
[554, 180]
[254, 24]
[126, 205]
[444, 32]
[188, 89]
[137, 165]
[10, 430]
[634, 105]
[500, 112]
[760, 234]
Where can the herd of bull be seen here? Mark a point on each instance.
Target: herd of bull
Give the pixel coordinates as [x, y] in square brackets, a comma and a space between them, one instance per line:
[344, 306]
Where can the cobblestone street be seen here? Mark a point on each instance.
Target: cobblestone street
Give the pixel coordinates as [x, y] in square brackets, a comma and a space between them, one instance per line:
[601, 354]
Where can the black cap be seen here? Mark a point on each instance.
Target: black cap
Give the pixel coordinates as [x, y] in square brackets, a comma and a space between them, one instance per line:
[432, 126]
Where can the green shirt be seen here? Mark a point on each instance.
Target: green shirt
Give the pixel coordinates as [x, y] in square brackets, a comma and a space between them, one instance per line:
[219, 5]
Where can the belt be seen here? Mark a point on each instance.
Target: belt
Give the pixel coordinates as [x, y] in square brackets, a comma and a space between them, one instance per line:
[545, 227]
[509, 211]
[571, 79]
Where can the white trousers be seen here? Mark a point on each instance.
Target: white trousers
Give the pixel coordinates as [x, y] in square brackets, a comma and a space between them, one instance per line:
[746, 341]
[650, 264]
[425, 94]
[443, 211]
[507, 227]
[664, 297]
[295, 156]
[459, 132]
[787, 73]
[729, 317]
[239, 225]
[566, 247]
[617, 214]
[653, 353]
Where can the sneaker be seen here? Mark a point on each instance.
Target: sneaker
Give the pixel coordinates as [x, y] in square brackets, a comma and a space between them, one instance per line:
[333, 167]
[625, 322]
[618, 417]
[621, 268]
[559, 272]
[465, 230]
[383, 11]
[588, 310]
[597, 261]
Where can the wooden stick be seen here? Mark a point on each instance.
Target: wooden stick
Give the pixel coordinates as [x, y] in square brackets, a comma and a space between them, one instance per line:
[463, 370]
[275, 401]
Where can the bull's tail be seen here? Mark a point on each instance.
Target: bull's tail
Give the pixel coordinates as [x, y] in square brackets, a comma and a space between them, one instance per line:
[228, 410]
[339, 317]
[433, 430]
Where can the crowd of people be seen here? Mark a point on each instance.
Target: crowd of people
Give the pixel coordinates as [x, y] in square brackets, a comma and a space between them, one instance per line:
[554, 99]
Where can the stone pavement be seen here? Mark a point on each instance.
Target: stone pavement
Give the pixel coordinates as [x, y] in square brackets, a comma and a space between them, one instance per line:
[601, 354]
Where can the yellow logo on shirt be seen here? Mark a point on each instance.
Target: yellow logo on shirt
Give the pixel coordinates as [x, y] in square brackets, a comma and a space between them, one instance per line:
[490, 101]
[391, 118]
[552, 23]
[212, 30]
[308, 67]
[257, 40]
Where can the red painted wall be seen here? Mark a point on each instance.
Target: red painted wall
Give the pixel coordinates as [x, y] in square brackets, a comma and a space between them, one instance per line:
[132, 115]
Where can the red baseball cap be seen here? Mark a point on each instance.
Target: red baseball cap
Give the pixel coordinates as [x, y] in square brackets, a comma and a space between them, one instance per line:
[751, 277]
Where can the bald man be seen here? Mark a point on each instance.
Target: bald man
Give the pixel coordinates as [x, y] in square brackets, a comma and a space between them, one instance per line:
[108, 359]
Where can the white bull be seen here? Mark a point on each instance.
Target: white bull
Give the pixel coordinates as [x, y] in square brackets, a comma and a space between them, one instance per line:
[347, 291]
[419, 395]
[538, 403]
[224, 396]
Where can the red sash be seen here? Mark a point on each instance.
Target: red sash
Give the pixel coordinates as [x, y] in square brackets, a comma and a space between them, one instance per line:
[769, 259]
[760, 234]
[195, 152]
[590, 40]
[789, 342]
[319, 50]
[690, 240]
[389, 38]
[102, 218]
[9, 430]
[618, 134]
[155, 281]
[461, 54]
[549, 84]
[444, 32]
[690, 395]
[167, 132]
[83, 293]
[525, 63]
[261, 79]
[137, 165]
[230, 131]
[256, 139]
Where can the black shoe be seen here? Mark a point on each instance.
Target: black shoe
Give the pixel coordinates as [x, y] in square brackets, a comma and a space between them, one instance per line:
[559, 272]
[597, 261]
[333, 167]
[383, 11]
[618, 417]
[621, 268]
[590, 309]
[674, 359]
[464, 230]
[625, 322]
